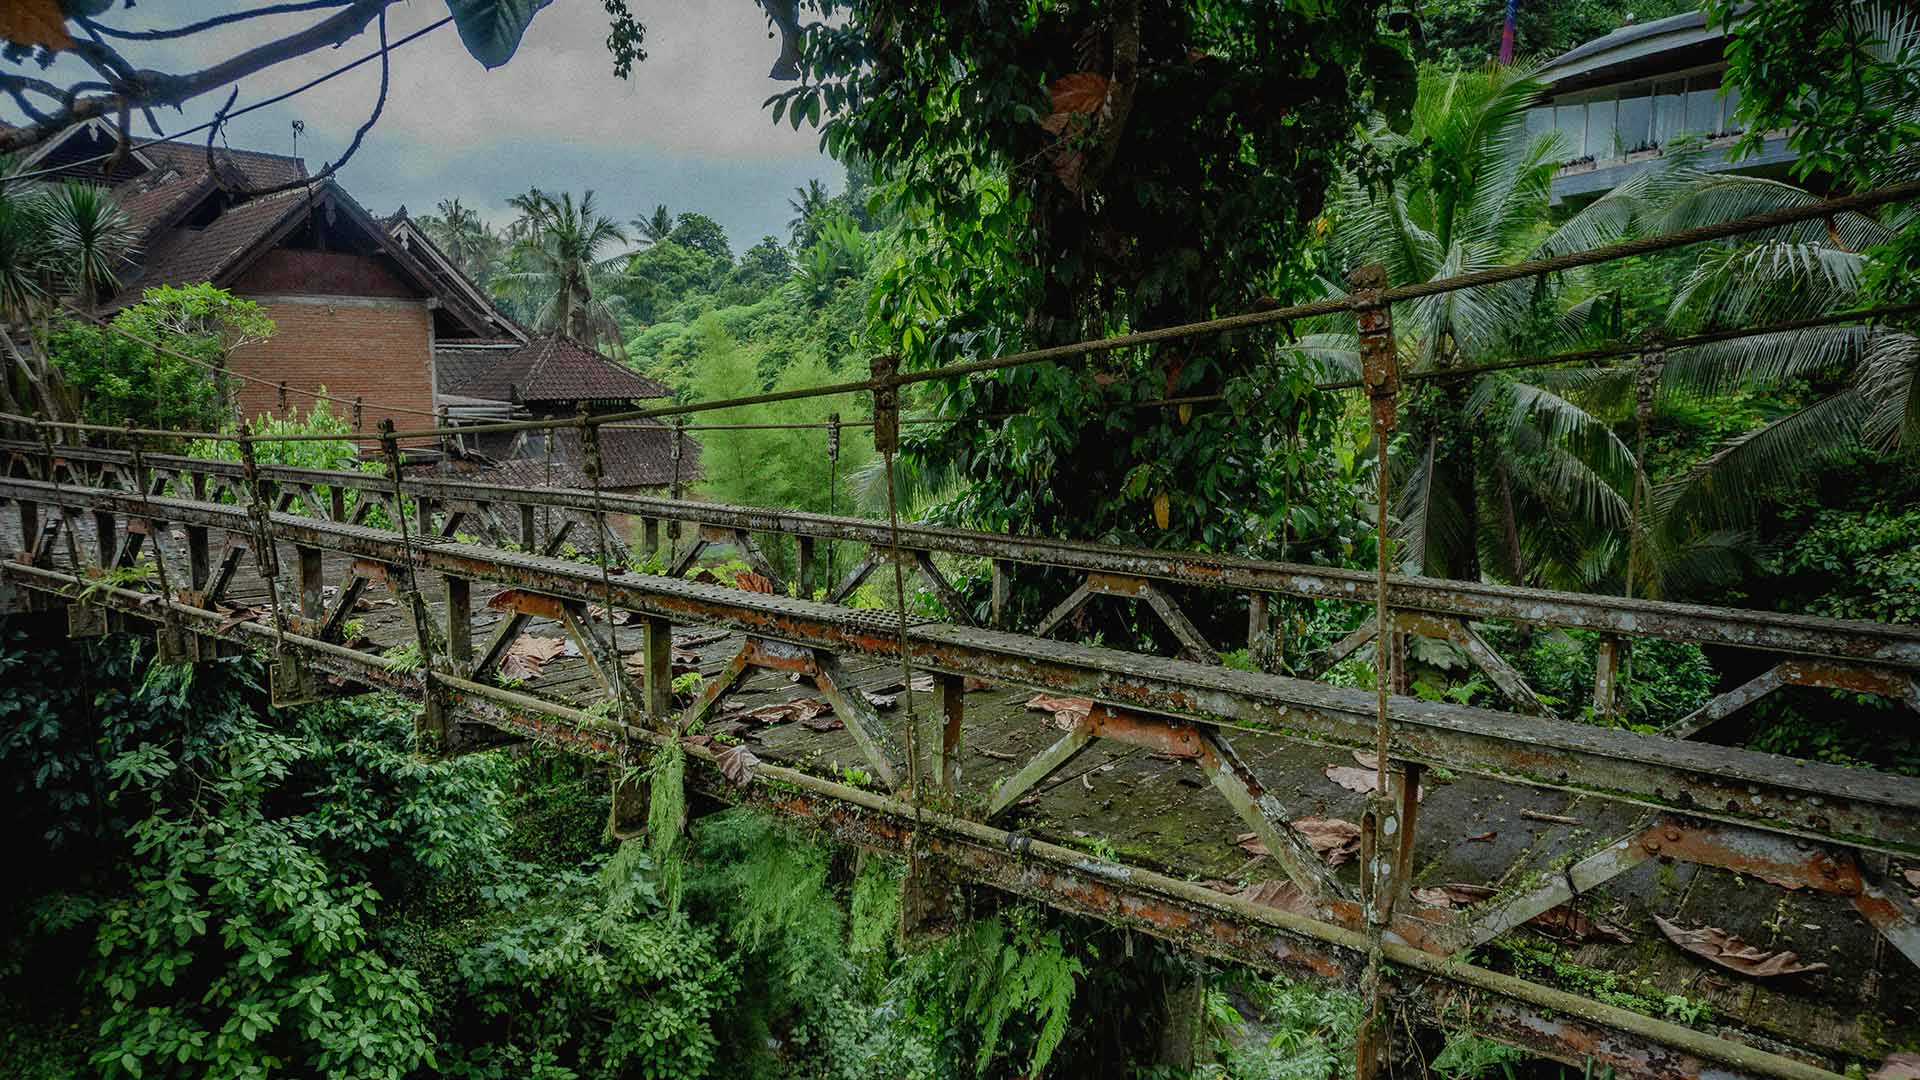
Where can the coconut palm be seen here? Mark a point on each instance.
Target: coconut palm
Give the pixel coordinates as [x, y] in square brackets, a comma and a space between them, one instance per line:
[466, 239]
[561, 267]
[1496, 472]
[807, 205]
[655, 227]
[1787, 273]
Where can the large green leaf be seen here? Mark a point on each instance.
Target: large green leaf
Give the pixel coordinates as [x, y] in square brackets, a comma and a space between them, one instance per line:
[491, 29]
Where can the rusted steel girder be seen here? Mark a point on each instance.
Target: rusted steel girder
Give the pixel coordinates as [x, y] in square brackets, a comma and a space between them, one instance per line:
[1433, 988]
[1842, 639]
[1822, 802]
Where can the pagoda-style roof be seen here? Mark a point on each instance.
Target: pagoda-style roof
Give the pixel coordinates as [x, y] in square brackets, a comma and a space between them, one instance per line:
[555, 371]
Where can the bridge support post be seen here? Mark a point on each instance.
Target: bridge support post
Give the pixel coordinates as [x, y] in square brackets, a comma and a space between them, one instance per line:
[1606, 673]
[808, 571]
[459, 624]
[656, 683]
[945, 750]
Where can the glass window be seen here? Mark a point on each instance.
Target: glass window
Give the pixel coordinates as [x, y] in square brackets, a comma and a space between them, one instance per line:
[1634, 125]
[1669, 112]
[1731, 106]
[1703, 104]
[1539, 122]
[1571, 121]
[1600, 132]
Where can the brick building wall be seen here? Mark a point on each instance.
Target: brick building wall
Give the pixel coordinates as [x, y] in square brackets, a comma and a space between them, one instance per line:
[379, 349]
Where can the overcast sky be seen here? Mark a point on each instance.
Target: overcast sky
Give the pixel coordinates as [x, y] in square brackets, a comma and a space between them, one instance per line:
[686, 129]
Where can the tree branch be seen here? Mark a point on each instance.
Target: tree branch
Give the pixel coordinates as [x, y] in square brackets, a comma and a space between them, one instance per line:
[148, 88]
[379, 106]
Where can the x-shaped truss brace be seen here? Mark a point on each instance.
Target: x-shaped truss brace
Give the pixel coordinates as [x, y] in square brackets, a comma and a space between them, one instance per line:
[871, 733]
[1192, 643]
[1770, 857]
[1263, 813]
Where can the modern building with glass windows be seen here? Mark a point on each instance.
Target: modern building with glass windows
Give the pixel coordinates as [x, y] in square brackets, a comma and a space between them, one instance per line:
[1622, 102]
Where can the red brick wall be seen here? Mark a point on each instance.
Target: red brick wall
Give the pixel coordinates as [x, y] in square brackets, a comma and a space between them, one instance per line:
[378, 349]
[326, 273]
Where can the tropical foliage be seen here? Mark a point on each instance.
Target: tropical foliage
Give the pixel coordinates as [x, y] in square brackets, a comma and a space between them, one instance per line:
[123, 377]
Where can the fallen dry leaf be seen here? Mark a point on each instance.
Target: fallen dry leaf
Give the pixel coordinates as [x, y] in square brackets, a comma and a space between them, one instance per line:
[1720, 948]
[970, 684]
[1484, 838]
[736, 764]
[599, 614]
[822, 723]
[1335, 840]
[780, 712]
[1567, 924]
[1363, 781]
[528, 654]
[887, 695]
[680, 662]
[1275, 894]
[1913, 877]
[753, 582]
[1067, 711]
[1904, 1066]
[1452, 895]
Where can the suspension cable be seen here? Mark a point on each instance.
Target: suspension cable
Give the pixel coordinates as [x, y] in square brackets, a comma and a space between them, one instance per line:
[590, 447]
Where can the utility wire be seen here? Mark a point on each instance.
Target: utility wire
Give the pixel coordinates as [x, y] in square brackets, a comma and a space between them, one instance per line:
[242, 111]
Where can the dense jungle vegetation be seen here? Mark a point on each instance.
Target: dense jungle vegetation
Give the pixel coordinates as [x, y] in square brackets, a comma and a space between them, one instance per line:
[222, 889]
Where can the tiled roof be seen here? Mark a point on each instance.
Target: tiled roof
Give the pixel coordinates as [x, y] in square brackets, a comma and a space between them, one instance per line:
[458, 364]
[259, 170]
[186, 256]
[155, 198]
[629, 457]
[558, 369]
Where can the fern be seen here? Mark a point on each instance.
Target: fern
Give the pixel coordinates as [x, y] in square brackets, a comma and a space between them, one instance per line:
[666, 818]
[1011, 970]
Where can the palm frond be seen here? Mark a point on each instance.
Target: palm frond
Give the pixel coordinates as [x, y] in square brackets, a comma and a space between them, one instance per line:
[1723, 489]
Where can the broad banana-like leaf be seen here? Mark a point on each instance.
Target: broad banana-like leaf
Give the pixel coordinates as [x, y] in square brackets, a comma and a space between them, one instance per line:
[491, 29]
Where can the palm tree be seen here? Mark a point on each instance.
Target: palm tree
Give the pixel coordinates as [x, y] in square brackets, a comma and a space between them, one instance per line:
[807, 206]
[466, 239]
[60, 240]
[655, 227]
[1495, 473]
[561, 269]
[1792, 272]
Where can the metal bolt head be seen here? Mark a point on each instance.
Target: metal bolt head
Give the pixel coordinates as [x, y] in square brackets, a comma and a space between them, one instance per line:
[1673, 836]
[1652, 844]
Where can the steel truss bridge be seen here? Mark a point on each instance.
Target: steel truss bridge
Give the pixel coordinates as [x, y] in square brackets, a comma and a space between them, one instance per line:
[469, 568]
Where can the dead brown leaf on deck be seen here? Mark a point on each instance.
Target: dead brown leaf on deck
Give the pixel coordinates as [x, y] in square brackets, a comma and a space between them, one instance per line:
[753, 582]
[1335, 840]
[1722, 949]
[1067, 711]
[1275, 894]
[1363, 778]
[527, 655]
[1451, 895]
[599, 614]
[781, 712]
[736, 764]
[887, 695]
[1568, 924]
